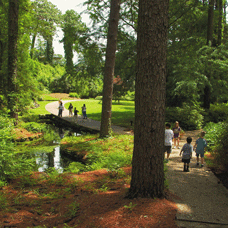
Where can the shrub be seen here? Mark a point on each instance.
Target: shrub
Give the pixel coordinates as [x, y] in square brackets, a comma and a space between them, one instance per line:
[12, 164]
[189, 117]
[220, 147]
[217, 113]
[212, 134]
[74, 94]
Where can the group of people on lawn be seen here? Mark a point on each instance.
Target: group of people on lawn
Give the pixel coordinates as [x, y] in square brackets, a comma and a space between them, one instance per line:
[187, 150]
[70, 108]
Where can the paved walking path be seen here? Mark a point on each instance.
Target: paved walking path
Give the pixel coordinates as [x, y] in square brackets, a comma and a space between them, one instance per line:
[202, 202]
[201, 197]
[53, 108]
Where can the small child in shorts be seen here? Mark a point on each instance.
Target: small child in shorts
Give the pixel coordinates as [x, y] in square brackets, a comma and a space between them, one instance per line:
[76, 114]
[187, 150]
[168, 140]
[199, 147]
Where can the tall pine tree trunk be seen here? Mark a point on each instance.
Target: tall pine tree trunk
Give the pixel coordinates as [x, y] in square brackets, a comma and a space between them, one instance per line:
[49, 50]
[210, 29]
[220, 9]
[32, 45]
[12, 54]
[105, 129]
[150, 91]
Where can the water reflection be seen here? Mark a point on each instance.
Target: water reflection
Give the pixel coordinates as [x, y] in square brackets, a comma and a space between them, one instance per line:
[55, 158]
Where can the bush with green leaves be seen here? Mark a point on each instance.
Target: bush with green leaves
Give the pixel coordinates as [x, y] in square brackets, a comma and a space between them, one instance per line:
[12, 163]
[189, 117]
[108, 154]
[216, 137]
[74, 94]
[217, 113]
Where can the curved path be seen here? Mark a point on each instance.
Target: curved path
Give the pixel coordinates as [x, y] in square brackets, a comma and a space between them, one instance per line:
[94, 124]
[202, 199]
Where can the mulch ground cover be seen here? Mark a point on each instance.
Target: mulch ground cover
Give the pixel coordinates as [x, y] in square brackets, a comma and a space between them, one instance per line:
[90, 199]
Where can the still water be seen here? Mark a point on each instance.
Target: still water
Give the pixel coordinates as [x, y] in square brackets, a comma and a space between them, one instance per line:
[55, 158]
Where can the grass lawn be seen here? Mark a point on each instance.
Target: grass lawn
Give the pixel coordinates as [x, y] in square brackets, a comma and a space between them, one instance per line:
[122, 113]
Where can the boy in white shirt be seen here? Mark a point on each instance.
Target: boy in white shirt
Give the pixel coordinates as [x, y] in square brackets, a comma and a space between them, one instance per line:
[168, 140]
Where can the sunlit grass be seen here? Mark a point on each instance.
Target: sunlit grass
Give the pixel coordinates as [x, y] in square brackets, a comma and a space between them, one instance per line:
[122, 113]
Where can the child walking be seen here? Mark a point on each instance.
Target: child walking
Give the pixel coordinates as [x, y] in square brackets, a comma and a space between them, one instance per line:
[168, 140]
[176, 131]
[70, 110]
[199, 147]
[187, 150]
[76, 114]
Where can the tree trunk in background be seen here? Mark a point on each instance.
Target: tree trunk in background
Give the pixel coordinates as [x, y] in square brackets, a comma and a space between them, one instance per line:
[150, 91]
[105, 129]
[49, 51]
[32, 46]
[68, 48]
[220, 9]
[210, 28]
[12, 54]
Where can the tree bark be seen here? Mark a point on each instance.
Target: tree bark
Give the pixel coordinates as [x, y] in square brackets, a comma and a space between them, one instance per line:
[32, 45]
[105, 129]
[12, 54]
[150, 91]
[210, 28]
[220, 9]
[210, 22]
[49, 50]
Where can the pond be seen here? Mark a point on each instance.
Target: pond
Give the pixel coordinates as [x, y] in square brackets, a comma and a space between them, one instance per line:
[54, 159]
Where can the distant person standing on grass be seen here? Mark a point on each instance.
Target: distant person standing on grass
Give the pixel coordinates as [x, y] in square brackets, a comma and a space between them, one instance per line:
[168, 140]
[61, 108]
[187, 150]
[76, 114]
[84, 112]
[176, 131]
[199, 147]
[70, 110]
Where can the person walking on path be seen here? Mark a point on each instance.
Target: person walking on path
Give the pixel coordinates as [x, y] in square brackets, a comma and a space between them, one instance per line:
[187, 150]
[84, 112]
[76, 114]
[168, 140]
[61, 108]
[70, 109]
[199, 147]
[176, 131]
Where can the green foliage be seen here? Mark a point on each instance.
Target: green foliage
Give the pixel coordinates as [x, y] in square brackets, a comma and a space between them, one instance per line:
[74, 94]
[131, 206]
[189, 117]
[212, 134]
[110, 154]
[34, 126]
[75, 167]
[54, 177]
[3, 201]
[217, 137]
[72, 209]
[218, 112]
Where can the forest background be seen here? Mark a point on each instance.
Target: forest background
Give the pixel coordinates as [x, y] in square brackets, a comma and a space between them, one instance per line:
[196, 82]
[196, 63]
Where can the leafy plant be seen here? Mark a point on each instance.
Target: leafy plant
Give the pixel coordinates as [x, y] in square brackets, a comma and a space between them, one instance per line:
[72, 209]
[130, 207]
[3, 201]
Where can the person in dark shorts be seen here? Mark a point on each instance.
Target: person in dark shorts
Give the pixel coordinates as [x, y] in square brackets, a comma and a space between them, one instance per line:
[168, 140]
[187, 150]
